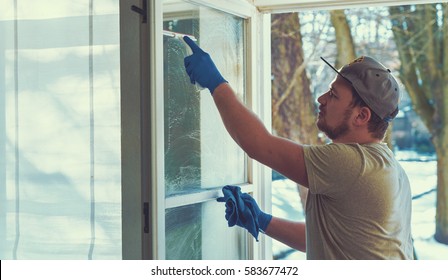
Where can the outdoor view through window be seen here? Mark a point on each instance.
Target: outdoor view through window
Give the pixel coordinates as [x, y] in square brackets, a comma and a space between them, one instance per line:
[410, 41]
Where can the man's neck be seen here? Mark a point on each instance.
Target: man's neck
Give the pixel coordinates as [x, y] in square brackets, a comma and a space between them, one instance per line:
[360, 138]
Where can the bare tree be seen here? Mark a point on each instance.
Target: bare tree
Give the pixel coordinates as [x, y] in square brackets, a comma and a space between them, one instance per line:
[293, 106]
[421, 35]
[344, 40]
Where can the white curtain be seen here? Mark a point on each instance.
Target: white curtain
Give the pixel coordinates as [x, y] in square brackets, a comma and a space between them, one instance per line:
[60, 179]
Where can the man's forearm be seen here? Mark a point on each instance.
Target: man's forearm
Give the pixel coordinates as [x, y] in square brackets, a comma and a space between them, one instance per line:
[249, 132]
[290, 233]
[242, 124]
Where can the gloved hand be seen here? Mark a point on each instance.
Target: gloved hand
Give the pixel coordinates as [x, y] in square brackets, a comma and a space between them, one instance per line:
[200, 67]
[242, 210]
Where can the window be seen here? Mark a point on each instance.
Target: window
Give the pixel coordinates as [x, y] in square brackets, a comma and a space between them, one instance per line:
[200, 157]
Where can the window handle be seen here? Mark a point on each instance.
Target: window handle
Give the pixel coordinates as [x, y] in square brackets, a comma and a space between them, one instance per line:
[142, 11]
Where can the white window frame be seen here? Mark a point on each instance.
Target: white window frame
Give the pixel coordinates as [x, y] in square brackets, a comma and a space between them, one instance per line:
[258, 176]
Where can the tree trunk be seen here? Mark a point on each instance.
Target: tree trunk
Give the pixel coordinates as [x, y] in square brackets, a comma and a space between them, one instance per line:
[293, 106]
[344, 40]
[421, 42]
[441, 234]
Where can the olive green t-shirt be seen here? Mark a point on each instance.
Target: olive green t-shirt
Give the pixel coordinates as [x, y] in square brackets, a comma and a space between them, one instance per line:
[359, 203]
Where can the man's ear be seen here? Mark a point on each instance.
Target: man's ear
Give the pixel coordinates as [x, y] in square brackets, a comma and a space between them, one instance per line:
[363, 116]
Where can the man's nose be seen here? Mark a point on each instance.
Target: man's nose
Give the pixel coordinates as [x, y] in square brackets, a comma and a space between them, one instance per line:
[321, 99]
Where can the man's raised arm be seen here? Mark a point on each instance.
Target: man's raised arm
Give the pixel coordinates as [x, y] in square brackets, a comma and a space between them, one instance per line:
[243, 125]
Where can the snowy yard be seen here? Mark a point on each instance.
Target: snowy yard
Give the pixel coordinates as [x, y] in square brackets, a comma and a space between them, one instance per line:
[422, 175]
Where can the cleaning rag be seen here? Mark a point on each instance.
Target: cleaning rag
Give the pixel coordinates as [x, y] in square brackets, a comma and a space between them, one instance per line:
[242, 210]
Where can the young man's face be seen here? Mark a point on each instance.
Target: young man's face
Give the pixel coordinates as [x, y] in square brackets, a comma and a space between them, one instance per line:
[335, 109]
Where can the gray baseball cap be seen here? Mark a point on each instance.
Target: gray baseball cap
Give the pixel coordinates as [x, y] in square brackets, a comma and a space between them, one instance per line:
[374, 83]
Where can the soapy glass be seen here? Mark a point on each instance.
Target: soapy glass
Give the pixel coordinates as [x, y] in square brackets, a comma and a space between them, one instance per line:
[189, 52]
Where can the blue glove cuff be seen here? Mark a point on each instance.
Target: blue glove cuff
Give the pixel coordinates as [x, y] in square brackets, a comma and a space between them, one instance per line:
[216, 83]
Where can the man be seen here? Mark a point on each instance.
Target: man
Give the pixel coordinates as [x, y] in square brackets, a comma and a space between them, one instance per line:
[359, 201]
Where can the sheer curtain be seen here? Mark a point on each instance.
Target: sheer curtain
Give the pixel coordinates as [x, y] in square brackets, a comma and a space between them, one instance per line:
[60, 180]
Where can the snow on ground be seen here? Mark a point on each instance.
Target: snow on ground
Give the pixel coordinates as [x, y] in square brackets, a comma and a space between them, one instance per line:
[422, 175]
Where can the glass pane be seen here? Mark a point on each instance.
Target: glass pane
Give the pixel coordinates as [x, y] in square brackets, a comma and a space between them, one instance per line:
[200, 231]
[60, 174]
[199, 153]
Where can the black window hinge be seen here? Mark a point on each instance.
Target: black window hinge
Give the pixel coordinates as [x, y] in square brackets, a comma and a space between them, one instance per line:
[143, 11]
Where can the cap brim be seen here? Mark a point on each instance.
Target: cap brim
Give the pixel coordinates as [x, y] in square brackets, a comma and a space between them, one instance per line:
[332, 67]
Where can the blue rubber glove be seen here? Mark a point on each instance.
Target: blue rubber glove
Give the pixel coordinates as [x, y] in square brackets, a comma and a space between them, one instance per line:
[242, 210]
[200, 67]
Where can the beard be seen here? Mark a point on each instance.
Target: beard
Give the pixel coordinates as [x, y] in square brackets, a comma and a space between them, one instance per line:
[338, 131]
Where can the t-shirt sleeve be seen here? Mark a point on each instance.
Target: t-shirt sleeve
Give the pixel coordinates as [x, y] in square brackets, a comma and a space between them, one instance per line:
[332, 168]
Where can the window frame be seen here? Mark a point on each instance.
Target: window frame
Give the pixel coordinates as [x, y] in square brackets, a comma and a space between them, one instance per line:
[256, 174]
